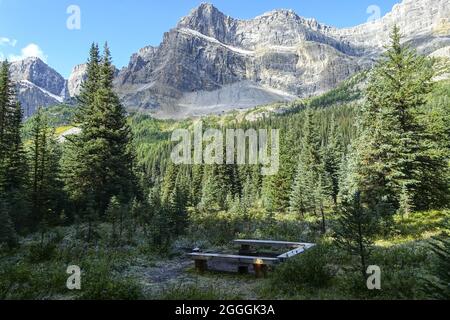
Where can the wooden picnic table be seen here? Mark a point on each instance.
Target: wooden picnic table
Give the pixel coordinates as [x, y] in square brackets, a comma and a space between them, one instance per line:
[245, 257]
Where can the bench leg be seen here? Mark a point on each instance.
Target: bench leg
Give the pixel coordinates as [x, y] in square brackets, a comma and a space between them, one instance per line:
[245, 249]
[260, 270]
[243, 269]
[201, 265]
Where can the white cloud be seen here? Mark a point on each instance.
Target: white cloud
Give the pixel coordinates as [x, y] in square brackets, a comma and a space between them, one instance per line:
[31, 50]
[7, 42]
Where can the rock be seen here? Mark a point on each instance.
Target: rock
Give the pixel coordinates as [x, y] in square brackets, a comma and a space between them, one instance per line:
[208, 54]
[210, 62]
[38, 85]
[77, 77]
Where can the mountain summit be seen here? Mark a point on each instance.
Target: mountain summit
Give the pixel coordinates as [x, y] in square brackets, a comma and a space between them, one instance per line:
[210, 62]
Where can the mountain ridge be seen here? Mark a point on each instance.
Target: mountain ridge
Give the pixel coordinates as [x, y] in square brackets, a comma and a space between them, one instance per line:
[211, 62]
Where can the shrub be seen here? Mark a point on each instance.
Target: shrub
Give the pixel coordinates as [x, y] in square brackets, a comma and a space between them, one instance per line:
[194, 292]
[401, 266]
[38, 253]
[24, 281]
[100, 283]
[310, 270]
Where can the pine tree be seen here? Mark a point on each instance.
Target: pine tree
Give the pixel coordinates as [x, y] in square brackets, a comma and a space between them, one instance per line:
[439, 286]
[357, 226]
[45, 180]
[101, 162]
[394, 157]
[276, 188]
[6, 96]
[13, 162]
[8, 235]
[211, 191]
[90, 85]
[113, 214]
[333, 154]
[312, 188]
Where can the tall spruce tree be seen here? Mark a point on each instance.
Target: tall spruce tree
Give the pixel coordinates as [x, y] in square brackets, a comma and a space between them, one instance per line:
[101, 163]
[13, 162]
[333, 154]
[356, 228]
[395, 162]
[312, 188]
[45, 180]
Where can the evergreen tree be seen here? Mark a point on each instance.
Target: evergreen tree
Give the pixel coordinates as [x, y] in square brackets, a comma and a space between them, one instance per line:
[45, 180]
[13, 162]
[8, 235]
[276, 188]
[211, 191]
[357, 226]
[333, 154]
[101, 162]
[439, 286]
[312, 188]
[90, 86]
[6, 96]
[394, 158]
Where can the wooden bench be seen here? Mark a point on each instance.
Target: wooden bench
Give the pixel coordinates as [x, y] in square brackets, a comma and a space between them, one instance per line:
[259, 264]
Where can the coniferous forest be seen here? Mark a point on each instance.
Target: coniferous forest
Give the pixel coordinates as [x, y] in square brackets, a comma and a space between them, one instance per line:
[363, 173]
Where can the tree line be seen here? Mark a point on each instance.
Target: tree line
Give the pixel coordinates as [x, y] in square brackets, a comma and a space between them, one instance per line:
[347, 167]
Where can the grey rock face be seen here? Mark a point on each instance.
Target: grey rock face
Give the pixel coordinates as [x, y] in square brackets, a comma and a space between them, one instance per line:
[416, 19]
[38, 85]
[208, 54]
[77, 77]
[211, 62]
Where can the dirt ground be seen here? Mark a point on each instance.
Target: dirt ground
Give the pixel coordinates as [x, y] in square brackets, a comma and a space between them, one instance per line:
[164, 275]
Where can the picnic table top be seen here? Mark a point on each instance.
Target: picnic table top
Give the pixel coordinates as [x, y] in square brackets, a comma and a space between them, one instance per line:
[271, 243]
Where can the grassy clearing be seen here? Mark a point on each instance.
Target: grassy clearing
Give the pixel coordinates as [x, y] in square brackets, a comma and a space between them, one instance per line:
[134, 270]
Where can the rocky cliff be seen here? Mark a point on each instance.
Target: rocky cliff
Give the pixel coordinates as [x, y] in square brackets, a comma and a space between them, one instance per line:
[210, 62]
[37, 84]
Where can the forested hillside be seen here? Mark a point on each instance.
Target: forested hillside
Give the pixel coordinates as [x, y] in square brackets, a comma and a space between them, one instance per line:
[364, 173]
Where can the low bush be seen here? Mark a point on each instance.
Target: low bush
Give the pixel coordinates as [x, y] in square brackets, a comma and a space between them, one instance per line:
[195, 292]
[310, 270]
[100, 282]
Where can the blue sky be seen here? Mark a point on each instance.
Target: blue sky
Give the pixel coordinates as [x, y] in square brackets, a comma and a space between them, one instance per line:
[39, 27]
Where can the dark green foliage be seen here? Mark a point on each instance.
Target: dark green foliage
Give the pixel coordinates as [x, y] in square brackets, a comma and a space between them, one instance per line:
[356, 230]
[310, 270]
[100, 283]
[46, 186]
[396, 164]
[438, 285]
[99, 163]
[195, 292]
[8, 236]
[13, 165]
[313, 188]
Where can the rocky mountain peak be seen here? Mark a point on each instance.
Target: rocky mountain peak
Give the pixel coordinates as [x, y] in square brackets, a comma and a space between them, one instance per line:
[77, 77]
[36, 71]
[208, 20]
[204, 11]
[210, 62]
[280, 13]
